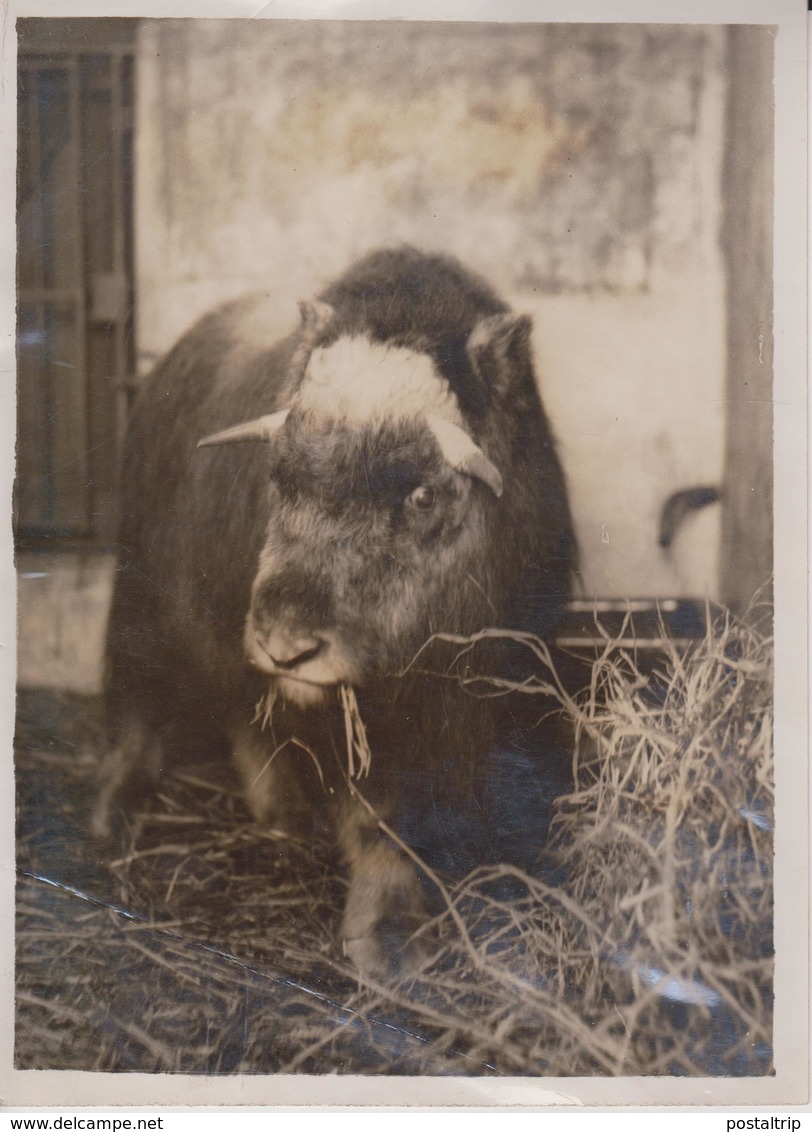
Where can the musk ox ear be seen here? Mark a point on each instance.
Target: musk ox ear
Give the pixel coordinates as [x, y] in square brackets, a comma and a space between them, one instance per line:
[263, 428]
[316, 317]
[460, 452]
[499, 349]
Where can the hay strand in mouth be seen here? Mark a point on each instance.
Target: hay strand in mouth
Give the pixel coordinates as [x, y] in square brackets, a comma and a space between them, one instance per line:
[263, 709]
[359, 756]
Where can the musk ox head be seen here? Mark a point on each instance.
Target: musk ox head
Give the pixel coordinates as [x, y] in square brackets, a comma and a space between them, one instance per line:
[380, 505]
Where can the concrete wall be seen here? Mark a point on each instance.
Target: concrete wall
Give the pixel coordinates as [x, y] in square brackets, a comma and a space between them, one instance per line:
[62, 601]
[577, 166]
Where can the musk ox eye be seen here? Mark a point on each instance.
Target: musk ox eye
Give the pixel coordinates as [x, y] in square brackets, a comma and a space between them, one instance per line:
[422, 498]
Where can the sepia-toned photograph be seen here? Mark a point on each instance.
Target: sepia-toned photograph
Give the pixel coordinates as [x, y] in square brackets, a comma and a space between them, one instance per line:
[393, 526]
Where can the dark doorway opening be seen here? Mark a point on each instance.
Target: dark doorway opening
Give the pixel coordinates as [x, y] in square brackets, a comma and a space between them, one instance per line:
[75, 347]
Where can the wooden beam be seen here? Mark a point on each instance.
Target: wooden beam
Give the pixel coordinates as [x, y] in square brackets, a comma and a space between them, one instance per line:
[747, 237]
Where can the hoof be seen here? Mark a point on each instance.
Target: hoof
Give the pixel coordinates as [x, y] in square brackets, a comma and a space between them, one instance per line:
[391, 953]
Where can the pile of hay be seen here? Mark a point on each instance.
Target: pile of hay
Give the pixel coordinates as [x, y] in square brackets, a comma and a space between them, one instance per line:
[212, 946]
[654, 955]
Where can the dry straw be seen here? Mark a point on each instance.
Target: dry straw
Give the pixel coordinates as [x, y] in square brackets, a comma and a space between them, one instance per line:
[214, 948]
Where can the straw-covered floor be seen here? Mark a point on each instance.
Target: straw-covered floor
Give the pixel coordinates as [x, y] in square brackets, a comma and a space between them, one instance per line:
[209, 946]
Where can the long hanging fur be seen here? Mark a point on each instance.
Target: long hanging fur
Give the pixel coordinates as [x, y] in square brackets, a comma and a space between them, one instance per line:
[298, 529]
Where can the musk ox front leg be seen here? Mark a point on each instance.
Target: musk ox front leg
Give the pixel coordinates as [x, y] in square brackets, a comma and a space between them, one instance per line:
[271, 774]
[384, 905]
[128, 776]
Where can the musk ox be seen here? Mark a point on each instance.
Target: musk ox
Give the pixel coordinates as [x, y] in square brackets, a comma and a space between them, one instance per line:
[402, 482]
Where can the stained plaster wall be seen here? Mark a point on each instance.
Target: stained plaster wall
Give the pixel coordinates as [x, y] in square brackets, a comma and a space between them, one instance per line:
[578, 167]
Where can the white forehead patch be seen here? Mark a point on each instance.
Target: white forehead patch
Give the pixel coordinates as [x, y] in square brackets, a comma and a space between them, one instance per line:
[366, 380]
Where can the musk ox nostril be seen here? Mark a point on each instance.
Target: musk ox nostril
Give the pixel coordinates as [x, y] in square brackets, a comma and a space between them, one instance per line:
[290, 652]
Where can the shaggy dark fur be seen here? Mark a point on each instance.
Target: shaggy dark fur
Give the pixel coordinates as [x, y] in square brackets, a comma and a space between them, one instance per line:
[341, 547]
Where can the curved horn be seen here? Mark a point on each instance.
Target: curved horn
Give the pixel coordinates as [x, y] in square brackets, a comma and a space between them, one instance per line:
[263, 428]
[461, 453]
[315, 317]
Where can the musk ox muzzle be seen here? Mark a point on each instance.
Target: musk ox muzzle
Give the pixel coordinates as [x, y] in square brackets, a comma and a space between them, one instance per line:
[402, 482]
